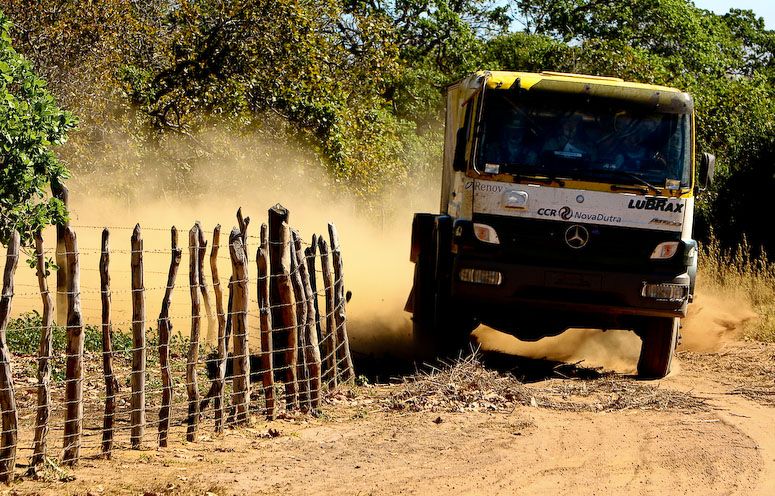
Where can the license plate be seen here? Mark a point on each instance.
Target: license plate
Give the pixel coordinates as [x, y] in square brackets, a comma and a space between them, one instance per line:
[574, 280]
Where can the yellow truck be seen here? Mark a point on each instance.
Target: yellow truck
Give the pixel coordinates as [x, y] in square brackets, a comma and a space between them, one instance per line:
[566, 201]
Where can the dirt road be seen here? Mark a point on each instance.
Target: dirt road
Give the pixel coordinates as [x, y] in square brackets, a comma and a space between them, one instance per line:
[706, 429]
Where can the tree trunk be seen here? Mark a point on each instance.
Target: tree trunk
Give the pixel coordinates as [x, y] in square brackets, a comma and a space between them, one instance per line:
[7, 400]
[44, 365]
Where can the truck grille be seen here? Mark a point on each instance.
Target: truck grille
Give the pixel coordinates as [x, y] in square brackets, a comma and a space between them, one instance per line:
[543, 242]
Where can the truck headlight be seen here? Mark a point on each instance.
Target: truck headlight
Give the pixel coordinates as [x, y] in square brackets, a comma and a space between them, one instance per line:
[491, 277]
[485, 233]
[665, 250]
[665, 292]
[515, 199]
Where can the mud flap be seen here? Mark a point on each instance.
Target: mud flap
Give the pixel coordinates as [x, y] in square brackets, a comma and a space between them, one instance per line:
[409, 305]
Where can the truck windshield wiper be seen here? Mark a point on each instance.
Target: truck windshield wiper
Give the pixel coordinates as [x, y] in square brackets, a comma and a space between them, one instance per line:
[630, 175]
[538, 177]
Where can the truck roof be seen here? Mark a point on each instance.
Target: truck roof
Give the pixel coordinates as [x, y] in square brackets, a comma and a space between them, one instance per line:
[663, 98]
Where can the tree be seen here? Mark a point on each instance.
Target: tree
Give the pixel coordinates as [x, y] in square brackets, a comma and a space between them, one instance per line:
[30, 124]
[692, 42]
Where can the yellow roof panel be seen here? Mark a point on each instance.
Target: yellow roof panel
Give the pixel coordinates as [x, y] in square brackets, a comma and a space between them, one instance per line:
[505, 79]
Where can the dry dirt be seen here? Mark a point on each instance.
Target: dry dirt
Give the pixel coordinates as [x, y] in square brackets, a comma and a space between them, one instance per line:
[546, 429]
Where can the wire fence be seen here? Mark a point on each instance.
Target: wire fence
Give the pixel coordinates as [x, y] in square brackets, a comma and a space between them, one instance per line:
[94, 371]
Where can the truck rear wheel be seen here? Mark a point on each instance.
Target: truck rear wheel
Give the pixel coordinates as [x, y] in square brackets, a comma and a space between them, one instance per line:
[660, 337]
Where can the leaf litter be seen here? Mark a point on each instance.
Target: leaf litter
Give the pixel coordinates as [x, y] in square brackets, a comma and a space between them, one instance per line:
[467, 385]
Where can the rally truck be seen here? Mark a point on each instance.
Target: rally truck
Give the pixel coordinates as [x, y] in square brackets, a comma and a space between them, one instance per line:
[567, 201]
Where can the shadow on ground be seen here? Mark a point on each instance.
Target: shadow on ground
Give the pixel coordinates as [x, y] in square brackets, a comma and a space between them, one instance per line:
[391, 367]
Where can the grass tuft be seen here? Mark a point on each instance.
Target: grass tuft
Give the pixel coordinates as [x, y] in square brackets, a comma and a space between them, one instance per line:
[742, 274]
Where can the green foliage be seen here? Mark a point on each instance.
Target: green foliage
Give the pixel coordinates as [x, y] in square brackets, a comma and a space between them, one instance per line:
[30, 124]
[23, 335]
[687, 39]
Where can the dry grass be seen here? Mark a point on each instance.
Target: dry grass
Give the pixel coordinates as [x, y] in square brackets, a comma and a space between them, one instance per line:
[467, 385]
[740, 274]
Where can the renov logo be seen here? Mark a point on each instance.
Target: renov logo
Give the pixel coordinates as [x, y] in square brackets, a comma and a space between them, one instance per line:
[661, 204]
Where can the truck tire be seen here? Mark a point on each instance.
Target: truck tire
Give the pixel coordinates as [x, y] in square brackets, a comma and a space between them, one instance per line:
[439, 326]
[660, 337]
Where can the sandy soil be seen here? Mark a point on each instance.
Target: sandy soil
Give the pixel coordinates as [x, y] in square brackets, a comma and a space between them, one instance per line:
[721, 443]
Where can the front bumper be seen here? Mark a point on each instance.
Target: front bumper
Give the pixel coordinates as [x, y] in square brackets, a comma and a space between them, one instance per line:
[604, 293]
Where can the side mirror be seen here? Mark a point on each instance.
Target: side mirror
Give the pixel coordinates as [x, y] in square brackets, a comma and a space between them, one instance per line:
[707, 168]
[459, 161]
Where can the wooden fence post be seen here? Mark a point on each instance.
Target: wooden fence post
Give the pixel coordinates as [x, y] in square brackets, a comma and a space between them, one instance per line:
[243, 223]
[343, 348]
[44, 365]
[239, 316]
[111, 383]
[165, 330]
[302, 373]
[311, 253]
[138, 341]
[192, 386]
[310, 332]
[328, 343]
[211, 322]
[7, 400]
[286, 303]
[60, 192]
[220, 380]
[264, 306]
[74, 354]
[277, 215]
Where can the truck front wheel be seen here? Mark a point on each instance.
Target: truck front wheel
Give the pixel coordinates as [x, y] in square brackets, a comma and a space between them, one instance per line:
[440, 326]
[660, 337]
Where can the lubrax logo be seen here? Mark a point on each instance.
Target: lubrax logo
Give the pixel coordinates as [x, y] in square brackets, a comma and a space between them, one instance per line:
[661, 204]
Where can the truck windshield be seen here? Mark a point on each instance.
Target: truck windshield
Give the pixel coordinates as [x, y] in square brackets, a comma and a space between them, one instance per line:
[574, 138]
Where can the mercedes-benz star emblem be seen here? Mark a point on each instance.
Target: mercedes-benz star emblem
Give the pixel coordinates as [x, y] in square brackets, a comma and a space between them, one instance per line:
[576, 236]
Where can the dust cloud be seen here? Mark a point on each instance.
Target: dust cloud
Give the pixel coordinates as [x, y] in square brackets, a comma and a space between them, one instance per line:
[375, 243]
[375, 252]
[614, 350]
[713, 320]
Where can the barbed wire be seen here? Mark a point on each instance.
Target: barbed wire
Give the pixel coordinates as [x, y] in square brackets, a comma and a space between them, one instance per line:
[308, 359]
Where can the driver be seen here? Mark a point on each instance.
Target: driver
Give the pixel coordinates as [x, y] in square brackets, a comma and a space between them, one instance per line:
[515, 146]
[568, 141]
[637, 151]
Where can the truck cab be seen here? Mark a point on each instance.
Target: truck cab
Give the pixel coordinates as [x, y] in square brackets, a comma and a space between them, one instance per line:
[566, 201]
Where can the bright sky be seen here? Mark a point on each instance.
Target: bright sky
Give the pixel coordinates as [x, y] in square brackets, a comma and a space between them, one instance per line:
[762, 8]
